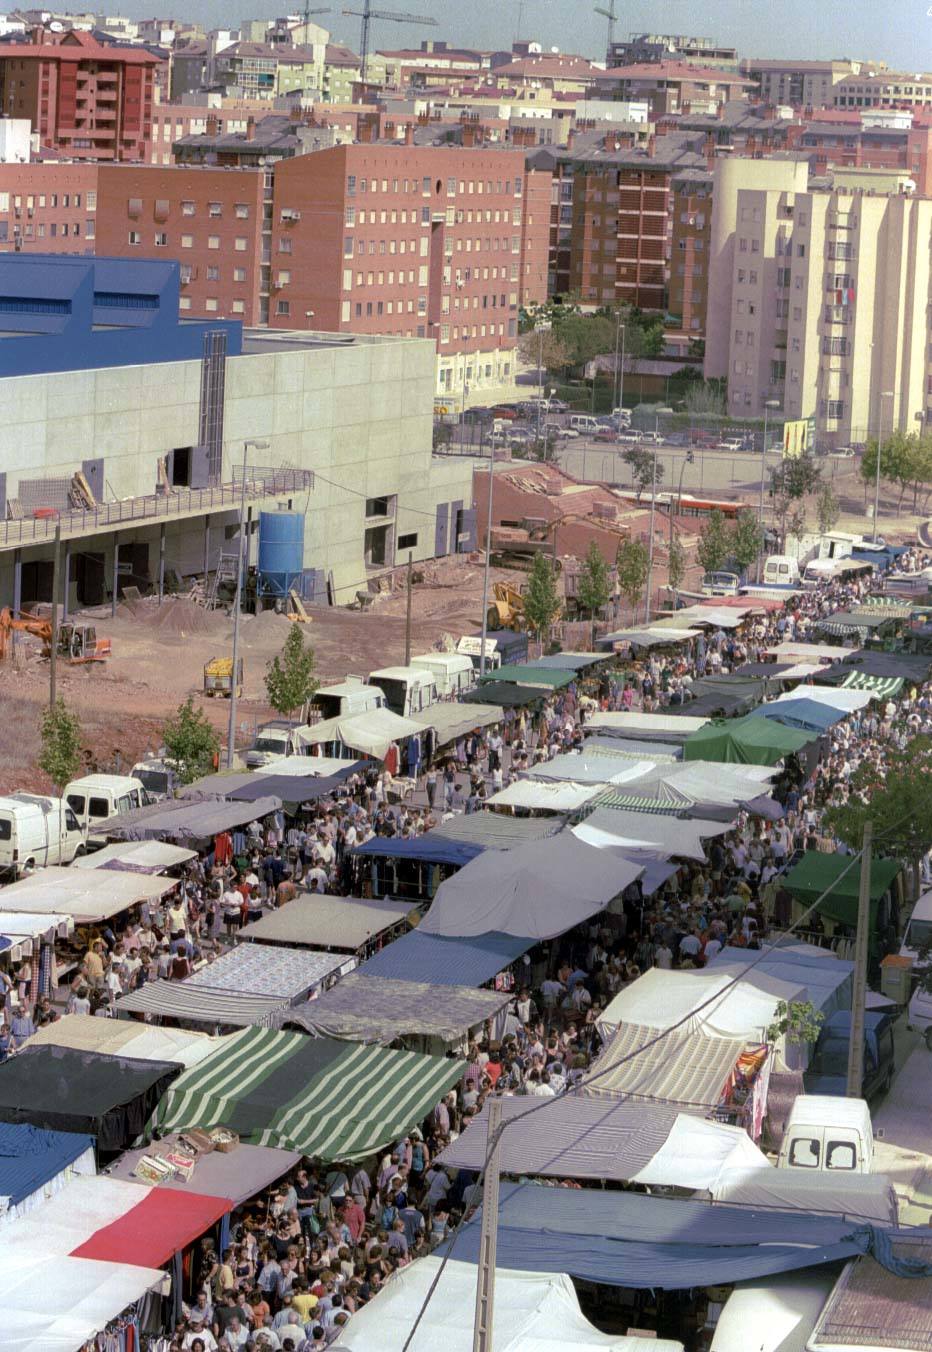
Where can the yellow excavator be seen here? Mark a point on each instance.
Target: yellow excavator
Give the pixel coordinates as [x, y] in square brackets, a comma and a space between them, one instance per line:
[77, 642]
[507, 608]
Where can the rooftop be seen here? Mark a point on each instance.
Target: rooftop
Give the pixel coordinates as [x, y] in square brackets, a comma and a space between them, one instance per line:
[676, 70]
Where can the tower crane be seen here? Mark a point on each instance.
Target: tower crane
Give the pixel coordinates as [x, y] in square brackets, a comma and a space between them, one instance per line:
[367, 14]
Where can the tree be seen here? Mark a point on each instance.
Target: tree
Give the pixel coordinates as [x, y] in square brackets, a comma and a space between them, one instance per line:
[545, 347]
[676, 564]
[714, 543]
[746, 540]
[585, 336]
[644, 471]
[60, 754]
[593, 589]
[632, 565]
[541, 600]
[798, 1020]
[827, 509]
[190, 741]
[790, 482]
[796, 525]
[705, 399]
[289, 678]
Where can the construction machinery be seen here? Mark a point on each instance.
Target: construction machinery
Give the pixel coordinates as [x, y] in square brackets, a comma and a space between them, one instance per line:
[78, 643]
[507, 608]
[218, 677]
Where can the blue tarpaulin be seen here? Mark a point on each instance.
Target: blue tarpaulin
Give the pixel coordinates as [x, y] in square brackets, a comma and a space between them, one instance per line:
[627, 1239]
[809, 714]
[442, 961]
[31, 1157]
[429, 848]
[294, 788]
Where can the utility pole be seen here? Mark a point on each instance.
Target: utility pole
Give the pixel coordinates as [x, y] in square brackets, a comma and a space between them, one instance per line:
[650, 545]
[53, 654]
[408, 612]
[485, 1280]
[859, 987]
[488, 557]
[768, 405]
[887, 394]
[237, 607]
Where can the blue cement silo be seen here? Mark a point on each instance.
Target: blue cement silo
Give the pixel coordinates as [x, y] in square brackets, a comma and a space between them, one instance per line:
[281, 552]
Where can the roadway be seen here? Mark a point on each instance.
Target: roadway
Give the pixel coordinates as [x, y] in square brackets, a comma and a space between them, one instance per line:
[716, 473]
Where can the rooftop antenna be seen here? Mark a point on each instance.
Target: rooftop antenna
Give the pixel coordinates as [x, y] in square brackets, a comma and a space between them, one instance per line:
[608, 12]
[367, 14]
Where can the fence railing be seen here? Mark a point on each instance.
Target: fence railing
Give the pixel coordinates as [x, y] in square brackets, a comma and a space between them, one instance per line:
[154, 507]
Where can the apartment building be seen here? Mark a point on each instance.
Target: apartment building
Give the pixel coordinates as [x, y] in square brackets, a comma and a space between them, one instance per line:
[48, 208]
[210, 220]
[86, 100]
[610, 220]
[864, 139]
[268, 70]
[674, 86]
[417, 241]
[640, 48]
[800, 84]
[342, 69]
[883, 90]
[819, 298]
[691, 216]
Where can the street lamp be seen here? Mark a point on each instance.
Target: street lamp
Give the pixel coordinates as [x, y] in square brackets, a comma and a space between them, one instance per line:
[653, 503]
[619, 382]
[768, 405]
[885, 394]
[688, 459]
[237, 601]
[540, 328]
[488, 558]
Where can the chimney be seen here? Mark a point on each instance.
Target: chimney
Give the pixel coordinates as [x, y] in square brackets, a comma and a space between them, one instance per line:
[469, 134]
[570, 138]
[250, 129]
[212, 125]
[409, 134]
[651, 144]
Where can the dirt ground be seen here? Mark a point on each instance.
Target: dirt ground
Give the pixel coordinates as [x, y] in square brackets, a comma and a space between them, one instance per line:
[159, 656]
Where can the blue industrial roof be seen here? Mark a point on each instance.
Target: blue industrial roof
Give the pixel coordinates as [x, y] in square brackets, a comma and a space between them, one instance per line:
[627, 1239]
[30, 1157]
[442, 961]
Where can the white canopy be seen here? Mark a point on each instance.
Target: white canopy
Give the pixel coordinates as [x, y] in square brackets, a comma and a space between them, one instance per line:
[148, 856]
[791, 651]
[831, 695]
[637, 724]
[712, 782]
[697, 1153]
[626, 829]
[551, 796]
[659, 999]
[23, 928]
[55, 1303]
[125, 1037]
[867, 1197]
[321, 766]
[88, 896]
[782, 1312]
[534, 1312]
[581, 768]
[371, 733]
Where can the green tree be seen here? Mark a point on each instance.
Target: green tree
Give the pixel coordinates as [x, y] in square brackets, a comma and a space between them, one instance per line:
[593, 588]
[827, 509]
[705, 399]
[644, 471]
[632, 565]
[899, 805]
[546, 347]
[714, 543]
[541, 599]
[60, 753]
[585, 336]
[190, 741]
[796, 524]
[676, 564]
[746, 540]
[289, 677]
[799, 1020]
[792, 480]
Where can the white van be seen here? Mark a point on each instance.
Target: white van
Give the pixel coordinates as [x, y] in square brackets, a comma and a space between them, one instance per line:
[780, 1311]
[918, 930]
[584, 424]
[828, 1134]
[919, 1014]
[95, 798]
[453, 673]
[780, 570]
[819, 571]
[349, 697]
[407, 690]
[273, 741]
[35, 831]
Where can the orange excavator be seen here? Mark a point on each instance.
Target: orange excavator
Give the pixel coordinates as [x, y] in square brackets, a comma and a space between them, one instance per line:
[77, 642]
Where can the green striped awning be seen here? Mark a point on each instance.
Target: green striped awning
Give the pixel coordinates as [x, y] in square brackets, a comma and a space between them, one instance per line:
[894, 606]
[328, 1099]
[884, 687]
[664, 801]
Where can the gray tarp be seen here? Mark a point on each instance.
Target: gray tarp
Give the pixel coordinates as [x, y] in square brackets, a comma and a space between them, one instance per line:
[238, 1174]
[177, 1000]
[450, 721]
[345, 923]
[675, 836]
[496, 830]
[191, 820]
[687, 1068]
[255, 969]
[88, 896]
[538, 890]
[377, 1009]
[142, 856]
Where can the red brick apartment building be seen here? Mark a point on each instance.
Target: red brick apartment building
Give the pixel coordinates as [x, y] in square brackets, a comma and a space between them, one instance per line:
[48, 208]
[86, 100]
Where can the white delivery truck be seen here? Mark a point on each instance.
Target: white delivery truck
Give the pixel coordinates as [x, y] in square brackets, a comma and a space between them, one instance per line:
[453, 673]
[95, 798]
[828, 1134]
[349, 697]
[918, 933]
[781, 570]
[273, 741]
[407, 690]
[35, 831]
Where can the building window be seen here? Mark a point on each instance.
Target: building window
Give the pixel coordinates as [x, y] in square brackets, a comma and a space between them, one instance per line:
[214, 209]
[210, 304]
[135, 239]
[134, 206]
[835, 409]
[283, 307]
[213, 274]
[284, 278]
[90, 202]
[350, 218]
[89, 229]
[239, 307]
[242, 211]
[187, 241]
[161, 239]
[184, 303]
[187, 208]
[239, 244]
[284, 245]
[408, 541]
[213, 241]
[186, 273]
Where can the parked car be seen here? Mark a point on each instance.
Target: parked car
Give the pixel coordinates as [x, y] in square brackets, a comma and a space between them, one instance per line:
[827, 1072]
[676, 439]
[720, 584]
[477, 415]
[606, 434]
[630, 438]
[506, 411]
[732, 444]
[843, 453]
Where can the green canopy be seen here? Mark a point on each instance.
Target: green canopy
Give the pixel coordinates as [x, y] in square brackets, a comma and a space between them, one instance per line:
[748, 741]
[817, 873]
[332, 1100]
[881, 687]
[525, 675]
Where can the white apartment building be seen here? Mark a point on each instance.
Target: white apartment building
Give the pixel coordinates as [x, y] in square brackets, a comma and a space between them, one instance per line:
[819, 300]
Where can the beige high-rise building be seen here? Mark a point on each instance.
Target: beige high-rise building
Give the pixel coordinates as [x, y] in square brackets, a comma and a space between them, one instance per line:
[820, 300]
